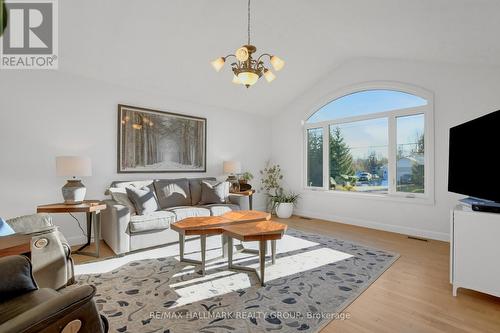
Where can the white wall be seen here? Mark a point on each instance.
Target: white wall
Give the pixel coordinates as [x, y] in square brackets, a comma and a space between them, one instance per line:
[460, 94]
[44, 114]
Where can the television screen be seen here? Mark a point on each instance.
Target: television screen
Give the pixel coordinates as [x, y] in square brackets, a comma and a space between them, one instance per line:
[473, 166]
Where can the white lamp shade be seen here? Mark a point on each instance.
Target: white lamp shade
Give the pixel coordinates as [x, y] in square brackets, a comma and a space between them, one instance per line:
[218, 63]
[269, 76]
[277, 63]
[231, 167]
[73, 166]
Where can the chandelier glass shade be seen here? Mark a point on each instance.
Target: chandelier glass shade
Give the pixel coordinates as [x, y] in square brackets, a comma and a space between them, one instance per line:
[246, 69]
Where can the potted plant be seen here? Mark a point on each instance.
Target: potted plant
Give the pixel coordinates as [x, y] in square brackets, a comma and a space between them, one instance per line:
[283, 203]
[245, 177]
[280, 202]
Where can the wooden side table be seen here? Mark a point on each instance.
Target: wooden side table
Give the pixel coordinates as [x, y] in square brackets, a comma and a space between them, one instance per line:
[92, 209]
[261, 232]
[249, 194]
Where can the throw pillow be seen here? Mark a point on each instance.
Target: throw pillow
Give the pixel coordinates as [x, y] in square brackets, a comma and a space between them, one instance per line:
[173, 192]
[5, 229]
[119, 194]
[144, 199]
[214, 192]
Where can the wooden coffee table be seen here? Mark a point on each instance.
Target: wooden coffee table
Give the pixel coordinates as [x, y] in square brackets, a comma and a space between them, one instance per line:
[254, 231]
[204, 226]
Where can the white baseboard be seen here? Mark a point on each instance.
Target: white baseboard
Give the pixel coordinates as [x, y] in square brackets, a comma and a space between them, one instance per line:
[429, 234]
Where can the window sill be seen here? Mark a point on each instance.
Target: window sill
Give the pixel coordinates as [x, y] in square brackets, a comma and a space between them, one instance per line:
[366, 196]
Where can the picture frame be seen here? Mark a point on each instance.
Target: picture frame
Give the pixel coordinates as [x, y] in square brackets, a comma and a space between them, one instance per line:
[154, 141]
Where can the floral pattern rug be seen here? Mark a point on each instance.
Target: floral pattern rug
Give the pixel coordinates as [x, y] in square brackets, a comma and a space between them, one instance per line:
[314, 278]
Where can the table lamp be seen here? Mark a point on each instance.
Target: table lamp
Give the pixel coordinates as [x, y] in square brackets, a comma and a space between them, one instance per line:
[73, 166]
[232, 168]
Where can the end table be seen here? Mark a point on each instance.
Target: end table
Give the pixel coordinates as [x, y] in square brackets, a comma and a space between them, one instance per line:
[92, 209]
[249, 194]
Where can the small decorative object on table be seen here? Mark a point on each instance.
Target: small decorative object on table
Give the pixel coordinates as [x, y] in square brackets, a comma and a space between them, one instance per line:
[232, 168]
[245, 177]
[73, 166]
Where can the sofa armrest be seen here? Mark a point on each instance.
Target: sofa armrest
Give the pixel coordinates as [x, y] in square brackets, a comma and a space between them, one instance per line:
[17, 277]
[31, 223]
[115, 226]
[57, 312]
[240, 199]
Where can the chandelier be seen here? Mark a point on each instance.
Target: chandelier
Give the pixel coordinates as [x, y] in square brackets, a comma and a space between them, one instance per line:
[246, 69]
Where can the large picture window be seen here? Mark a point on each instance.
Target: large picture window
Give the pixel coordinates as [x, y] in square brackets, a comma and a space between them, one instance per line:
[371, 142]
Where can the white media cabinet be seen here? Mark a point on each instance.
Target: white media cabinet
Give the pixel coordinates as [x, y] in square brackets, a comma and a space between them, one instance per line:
[475, 251]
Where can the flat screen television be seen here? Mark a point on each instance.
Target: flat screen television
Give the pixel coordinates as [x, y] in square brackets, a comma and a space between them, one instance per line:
[474, 167]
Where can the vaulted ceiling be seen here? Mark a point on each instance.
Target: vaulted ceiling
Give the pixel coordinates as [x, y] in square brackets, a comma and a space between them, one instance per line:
[166, 46]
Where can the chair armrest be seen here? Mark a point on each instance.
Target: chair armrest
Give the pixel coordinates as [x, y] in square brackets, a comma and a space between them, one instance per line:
[57, 312]
[241, 200]
[31, 223]
[114, 226]
[17, 277]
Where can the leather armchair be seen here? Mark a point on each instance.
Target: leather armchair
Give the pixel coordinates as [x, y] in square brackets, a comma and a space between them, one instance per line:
[50, 252]
[25, 308]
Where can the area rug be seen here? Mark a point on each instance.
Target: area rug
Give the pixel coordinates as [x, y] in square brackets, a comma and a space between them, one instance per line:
[314, 278]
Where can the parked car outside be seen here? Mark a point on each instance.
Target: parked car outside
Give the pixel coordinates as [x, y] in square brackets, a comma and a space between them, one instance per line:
[364, 177]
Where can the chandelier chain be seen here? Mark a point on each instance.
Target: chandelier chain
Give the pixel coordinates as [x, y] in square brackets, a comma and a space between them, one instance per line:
[248, 22]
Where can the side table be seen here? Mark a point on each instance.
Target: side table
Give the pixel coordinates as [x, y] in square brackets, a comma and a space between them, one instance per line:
[92, 209]
[249, 194]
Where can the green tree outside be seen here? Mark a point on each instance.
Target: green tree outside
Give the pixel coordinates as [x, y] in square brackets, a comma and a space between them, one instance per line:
[341, 162]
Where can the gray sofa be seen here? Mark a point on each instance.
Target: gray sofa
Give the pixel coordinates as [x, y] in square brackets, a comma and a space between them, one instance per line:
[124, 230]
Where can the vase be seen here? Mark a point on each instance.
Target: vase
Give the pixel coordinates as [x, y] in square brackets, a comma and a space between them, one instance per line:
[284, 210]
[73, 192]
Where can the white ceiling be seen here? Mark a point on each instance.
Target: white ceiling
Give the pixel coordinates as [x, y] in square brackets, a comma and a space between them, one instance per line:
[166, 46]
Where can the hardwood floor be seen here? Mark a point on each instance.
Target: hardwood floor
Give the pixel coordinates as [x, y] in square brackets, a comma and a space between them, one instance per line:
[413, 295]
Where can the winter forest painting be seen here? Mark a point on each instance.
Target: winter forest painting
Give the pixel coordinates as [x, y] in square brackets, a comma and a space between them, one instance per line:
[156, 141]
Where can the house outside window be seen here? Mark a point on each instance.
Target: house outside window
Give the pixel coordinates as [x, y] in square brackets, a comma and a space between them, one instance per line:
[376, 141]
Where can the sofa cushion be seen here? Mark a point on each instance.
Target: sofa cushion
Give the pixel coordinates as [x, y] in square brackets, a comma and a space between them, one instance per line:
[188, 211]
[137, 183]
[214, 192]
[195, 189]
[158, 220]
[219, 209]
[144, 199]
[173, 192]
[119, 194]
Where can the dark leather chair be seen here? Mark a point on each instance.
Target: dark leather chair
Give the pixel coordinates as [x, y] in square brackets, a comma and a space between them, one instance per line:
[25, 308]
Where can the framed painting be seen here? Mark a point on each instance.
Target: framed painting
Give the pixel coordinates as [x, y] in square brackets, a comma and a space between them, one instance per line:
[151, 141]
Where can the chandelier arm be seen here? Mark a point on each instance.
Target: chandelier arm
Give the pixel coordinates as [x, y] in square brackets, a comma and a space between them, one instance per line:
[229, 55]
[262, 55]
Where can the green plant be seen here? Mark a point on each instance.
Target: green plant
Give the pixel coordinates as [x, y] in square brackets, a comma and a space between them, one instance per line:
[282, 197]
[271, 179]
[246, 176]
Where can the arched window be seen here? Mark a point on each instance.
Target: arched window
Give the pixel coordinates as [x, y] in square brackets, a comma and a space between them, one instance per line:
[370, 141]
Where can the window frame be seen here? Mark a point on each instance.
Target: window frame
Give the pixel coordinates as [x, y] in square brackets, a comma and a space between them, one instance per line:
[427, 110]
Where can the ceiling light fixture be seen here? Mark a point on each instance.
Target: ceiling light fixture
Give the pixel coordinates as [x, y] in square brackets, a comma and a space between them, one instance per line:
[247, 70]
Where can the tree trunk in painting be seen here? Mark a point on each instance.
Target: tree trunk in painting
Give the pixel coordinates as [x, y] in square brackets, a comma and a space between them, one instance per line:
[152, 141]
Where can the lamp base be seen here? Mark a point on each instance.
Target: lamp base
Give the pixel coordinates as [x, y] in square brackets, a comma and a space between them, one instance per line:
[73, 192]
